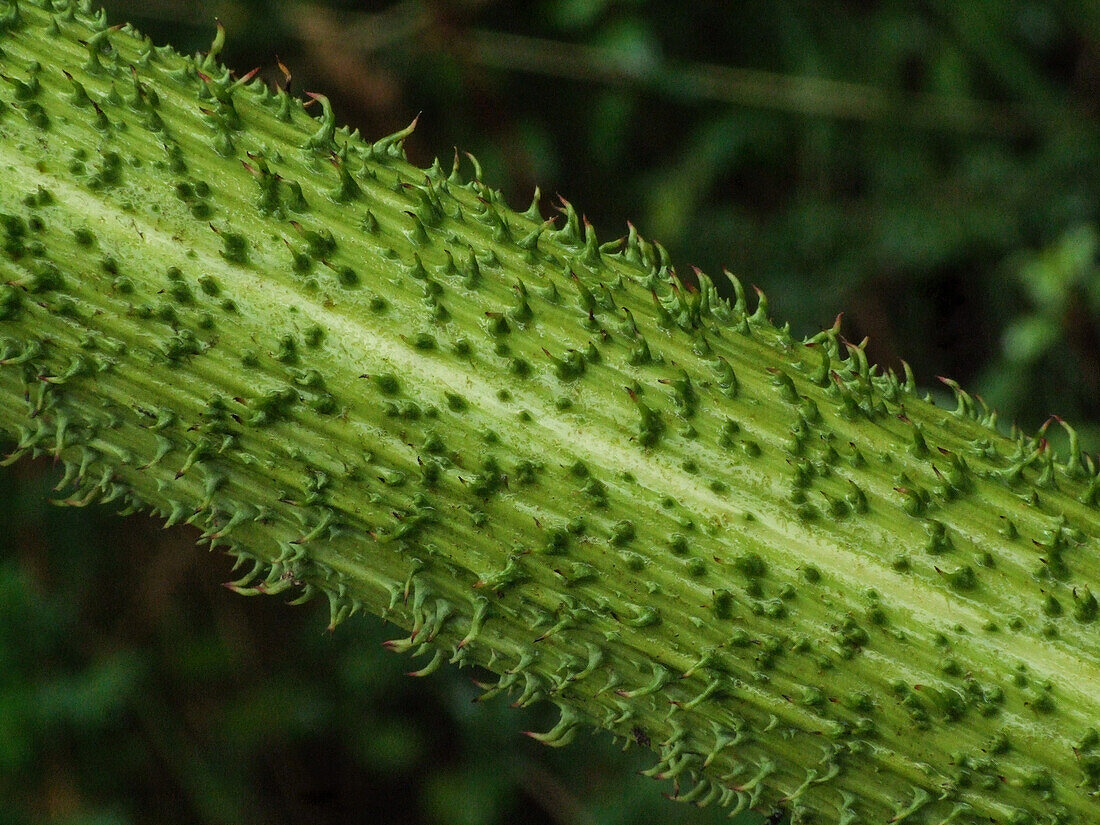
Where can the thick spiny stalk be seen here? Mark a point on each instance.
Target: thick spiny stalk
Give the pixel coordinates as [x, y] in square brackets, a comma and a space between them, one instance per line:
[806, 587]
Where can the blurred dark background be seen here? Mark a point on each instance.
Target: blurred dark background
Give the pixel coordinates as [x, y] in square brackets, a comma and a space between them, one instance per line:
[931, 169]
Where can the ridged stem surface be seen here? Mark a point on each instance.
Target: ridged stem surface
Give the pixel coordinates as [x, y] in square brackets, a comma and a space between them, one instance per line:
[805, 586]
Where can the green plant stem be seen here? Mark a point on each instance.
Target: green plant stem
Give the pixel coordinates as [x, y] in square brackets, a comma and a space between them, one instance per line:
[806, 587]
